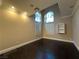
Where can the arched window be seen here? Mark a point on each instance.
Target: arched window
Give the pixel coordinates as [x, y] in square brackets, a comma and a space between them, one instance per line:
[38, 16]
[38, 21]
[49, 17]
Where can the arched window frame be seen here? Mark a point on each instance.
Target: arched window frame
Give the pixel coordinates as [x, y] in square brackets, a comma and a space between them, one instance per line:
[49, 17]
[37, 16]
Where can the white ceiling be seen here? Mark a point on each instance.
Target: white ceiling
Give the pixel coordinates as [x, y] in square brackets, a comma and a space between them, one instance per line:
[66, 6]
[26, 5]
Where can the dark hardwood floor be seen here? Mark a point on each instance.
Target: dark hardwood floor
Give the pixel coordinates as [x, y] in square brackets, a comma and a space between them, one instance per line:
[44, 49]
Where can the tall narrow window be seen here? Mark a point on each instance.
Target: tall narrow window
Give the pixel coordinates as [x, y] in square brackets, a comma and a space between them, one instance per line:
[38, 21]
[49, 17]
[48, 22]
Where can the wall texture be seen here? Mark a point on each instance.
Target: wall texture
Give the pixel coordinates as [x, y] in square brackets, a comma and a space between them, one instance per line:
[76, 24]
[14, 28]
[50, 30]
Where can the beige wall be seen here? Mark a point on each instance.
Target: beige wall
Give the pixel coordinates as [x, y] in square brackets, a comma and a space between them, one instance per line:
[14, 28]
[76, 24]
[50, 30]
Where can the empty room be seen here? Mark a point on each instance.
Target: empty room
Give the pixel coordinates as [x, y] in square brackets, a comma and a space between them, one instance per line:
[39, 29]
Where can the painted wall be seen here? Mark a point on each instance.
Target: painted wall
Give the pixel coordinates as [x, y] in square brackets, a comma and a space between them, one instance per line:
[76, 24]
[50, 30]
[15, 28]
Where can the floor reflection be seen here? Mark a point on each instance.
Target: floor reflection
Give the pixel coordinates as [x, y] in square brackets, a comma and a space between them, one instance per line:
[45, 54]
[49, 55]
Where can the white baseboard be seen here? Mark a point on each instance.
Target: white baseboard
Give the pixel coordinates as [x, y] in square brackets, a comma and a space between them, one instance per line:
[22, 44]
[17, 46]
[63, 41]
[76, 45]
[59, 39]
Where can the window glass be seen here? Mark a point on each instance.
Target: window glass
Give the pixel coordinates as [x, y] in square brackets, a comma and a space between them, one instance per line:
[49, 17]
[37, 16]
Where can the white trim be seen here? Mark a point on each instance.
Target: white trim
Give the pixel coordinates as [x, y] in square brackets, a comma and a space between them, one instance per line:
[76, 45]
[22, 44]
[58, 39]
[63, 40]
[17, 46]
